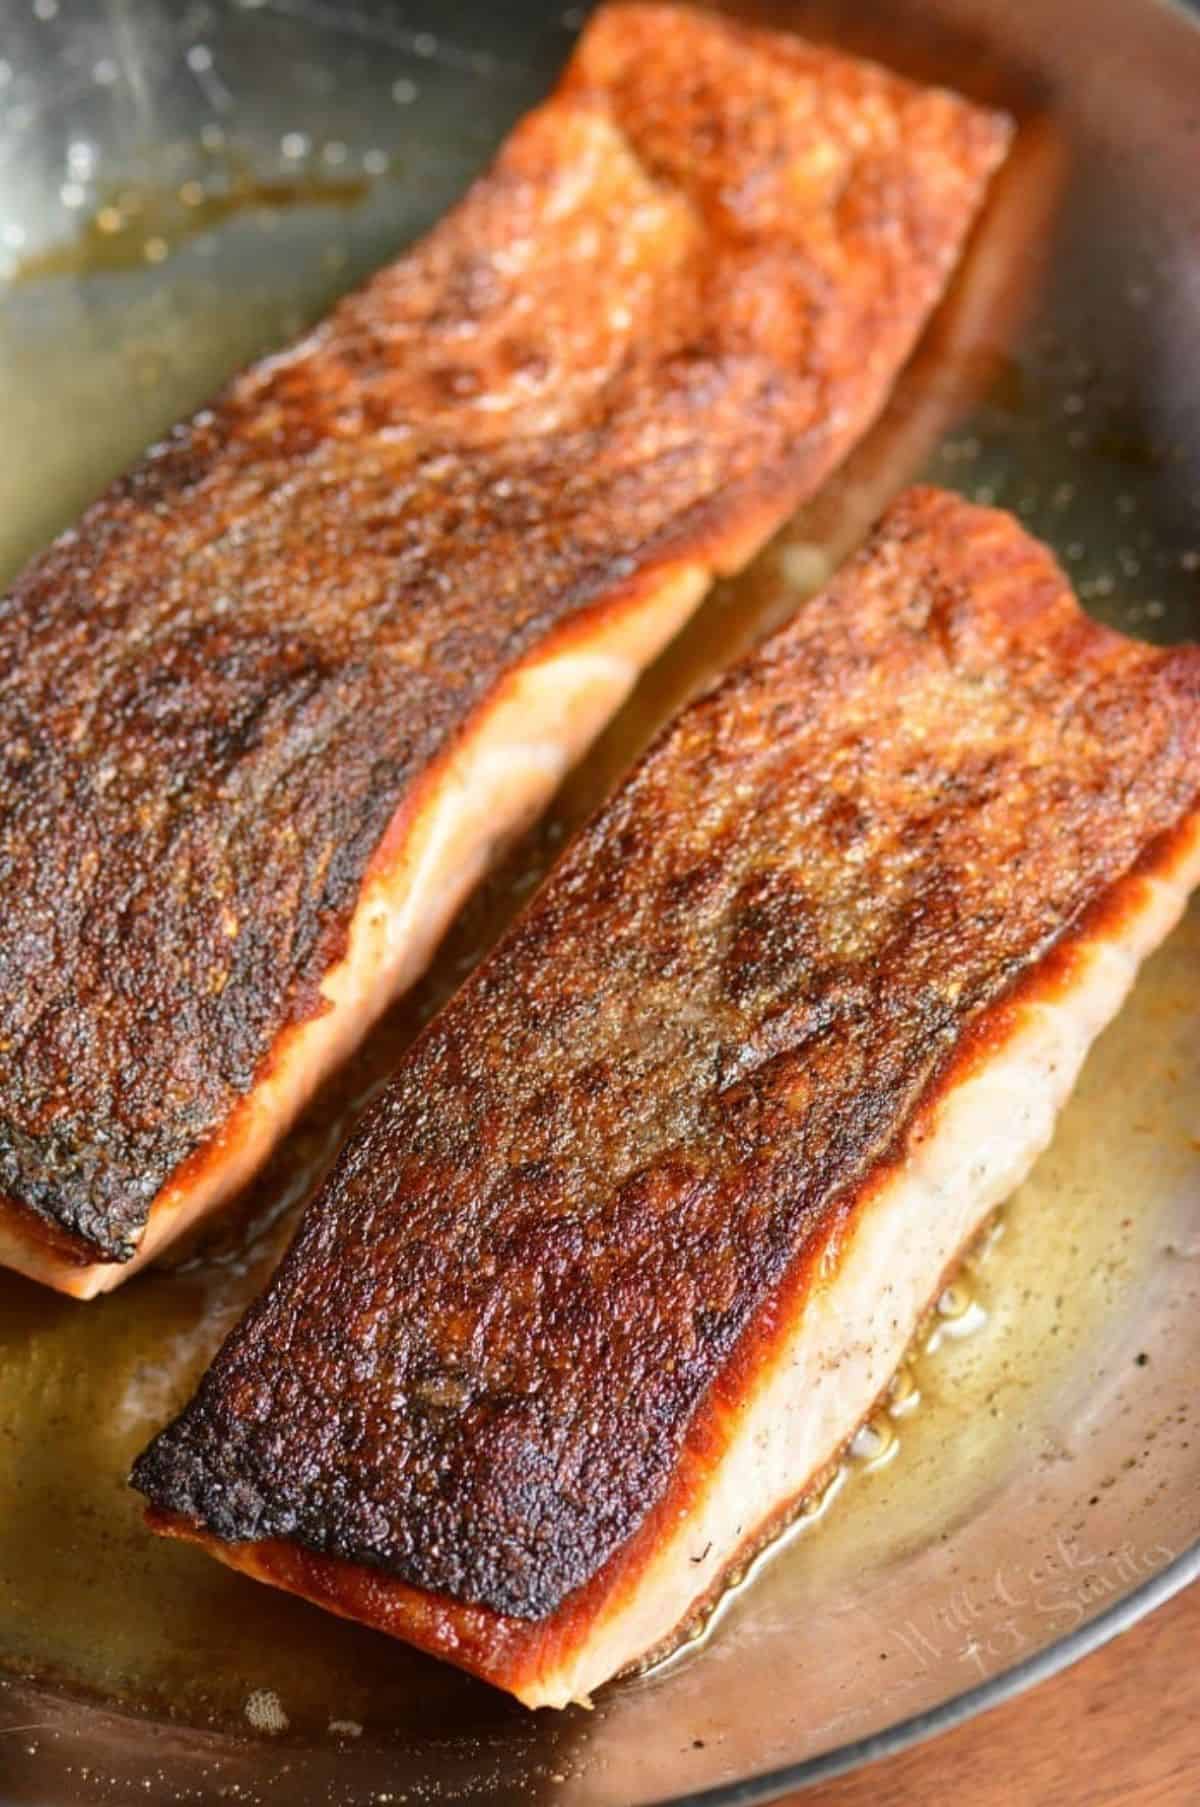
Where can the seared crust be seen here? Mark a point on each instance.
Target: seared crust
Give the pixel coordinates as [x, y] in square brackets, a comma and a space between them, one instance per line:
[512, 1324]
[678, 296]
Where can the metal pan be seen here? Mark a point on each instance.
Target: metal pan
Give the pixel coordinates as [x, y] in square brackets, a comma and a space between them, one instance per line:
[184, 184]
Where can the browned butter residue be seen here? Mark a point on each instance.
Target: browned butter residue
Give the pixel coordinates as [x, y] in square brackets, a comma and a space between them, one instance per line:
[134, 226]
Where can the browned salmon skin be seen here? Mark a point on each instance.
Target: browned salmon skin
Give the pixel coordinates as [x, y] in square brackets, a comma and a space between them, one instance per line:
[268, 709]
[641, 1227]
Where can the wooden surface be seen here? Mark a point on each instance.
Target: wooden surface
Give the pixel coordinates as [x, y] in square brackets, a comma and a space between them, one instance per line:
[1121, 1727]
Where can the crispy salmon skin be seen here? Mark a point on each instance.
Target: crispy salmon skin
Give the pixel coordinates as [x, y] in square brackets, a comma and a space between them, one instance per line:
[269, 708]
[640, 1228]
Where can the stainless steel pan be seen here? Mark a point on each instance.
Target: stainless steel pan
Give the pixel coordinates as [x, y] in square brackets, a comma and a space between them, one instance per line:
[184, 184]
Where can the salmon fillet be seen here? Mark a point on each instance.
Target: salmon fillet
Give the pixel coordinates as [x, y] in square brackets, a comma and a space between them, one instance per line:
[641, 1227]
[270, 708]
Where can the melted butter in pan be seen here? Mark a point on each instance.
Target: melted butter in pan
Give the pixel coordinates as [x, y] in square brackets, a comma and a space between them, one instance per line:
[87, 1598]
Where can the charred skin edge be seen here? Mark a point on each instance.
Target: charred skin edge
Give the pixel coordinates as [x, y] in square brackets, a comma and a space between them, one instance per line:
[521, 1655]
[734, 522]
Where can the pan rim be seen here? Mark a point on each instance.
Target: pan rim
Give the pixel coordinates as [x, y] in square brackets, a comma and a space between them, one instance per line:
[917, 1728]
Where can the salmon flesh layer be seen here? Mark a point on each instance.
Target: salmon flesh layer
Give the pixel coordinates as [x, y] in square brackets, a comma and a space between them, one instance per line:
[641, 1226]
[268, 711]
